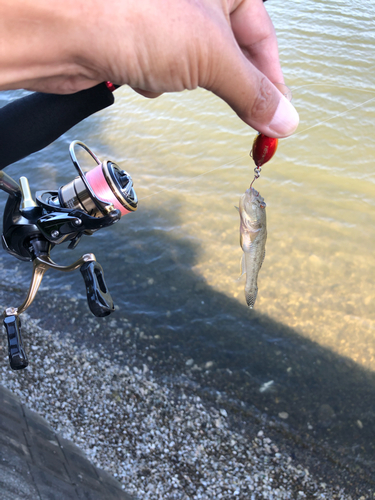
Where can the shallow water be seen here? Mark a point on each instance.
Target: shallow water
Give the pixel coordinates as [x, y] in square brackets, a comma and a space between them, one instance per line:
[173, 265]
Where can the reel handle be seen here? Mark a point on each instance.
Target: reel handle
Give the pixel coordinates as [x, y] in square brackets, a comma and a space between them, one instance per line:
[17, 355]
[98, 297]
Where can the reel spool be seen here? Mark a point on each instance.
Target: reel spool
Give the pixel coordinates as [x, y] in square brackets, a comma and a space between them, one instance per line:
[100, 190]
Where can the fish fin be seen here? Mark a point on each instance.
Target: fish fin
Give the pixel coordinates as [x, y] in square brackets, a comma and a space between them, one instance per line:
[242, 267]
[247, 238]
[251, 297]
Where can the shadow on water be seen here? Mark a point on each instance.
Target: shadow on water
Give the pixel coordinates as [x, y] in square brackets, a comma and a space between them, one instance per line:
[323, 397]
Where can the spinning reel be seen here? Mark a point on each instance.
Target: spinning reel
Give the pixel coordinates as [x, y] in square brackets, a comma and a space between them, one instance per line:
[32, 228]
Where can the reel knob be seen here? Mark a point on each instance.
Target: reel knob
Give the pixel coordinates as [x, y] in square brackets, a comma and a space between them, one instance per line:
[98, 297]
[17, 355]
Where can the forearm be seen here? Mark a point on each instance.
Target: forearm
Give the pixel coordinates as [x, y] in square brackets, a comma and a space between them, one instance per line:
[38, 40]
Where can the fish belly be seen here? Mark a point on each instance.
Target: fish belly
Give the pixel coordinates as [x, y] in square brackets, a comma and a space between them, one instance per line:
[253, 262]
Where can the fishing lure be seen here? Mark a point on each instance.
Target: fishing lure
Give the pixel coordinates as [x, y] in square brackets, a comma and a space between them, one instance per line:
[263, 149]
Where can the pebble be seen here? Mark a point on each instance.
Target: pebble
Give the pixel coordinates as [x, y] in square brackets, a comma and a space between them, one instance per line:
[158, 438]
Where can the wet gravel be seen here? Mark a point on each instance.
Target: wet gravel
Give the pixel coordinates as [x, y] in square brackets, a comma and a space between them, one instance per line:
[154, 434]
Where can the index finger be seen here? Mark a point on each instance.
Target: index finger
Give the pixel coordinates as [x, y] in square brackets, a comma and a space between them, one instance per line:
[256, 36]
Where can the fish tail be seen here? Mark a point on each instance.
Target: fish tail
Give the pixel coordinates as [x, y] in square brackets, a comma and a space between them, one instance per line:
[251, 296]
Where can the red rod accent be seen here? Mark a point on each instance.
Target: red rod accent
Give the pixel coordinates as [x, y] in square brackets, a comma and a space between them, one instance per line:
[110, 86]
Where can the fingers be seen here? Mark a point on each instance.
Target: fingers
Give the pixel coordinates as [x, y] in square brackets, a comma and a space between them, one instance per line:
[255, 35]
[147, 93]
[243, 75]
[251, 95]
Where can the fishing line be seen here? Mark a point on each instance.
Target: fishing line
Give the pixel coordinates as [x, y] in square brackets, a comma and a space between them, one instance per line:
[226, 165]
[332, 85]
[331, 118]
[195, 177]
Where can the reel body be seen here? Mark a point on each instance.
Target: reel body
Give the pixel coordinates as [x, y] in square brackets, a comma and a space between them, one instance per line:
[32, 228]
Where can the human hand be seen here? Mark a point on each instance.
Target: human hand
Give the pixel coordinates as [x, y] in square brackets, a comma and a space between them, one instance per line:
[226, 46]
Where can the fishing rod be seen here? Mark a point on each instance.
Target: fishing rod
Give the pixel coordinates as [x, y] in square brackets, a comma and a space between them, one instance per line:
[33, 226]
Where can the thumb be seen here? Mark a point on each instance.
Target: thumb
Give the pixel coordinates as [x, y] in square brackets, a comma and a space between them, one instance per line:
[252, 96]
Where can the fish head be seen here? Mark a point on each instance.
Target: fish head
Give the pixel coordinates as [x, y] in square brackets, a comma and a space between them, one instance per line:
[252, 207]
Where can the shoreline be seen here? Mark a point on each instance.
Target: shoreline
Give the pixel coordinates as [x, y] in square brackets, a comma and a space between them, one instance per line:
[182, 440]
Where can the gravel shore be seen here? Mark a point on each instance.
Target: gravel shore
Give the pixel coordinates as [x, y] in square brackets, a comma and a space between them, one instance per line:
[158, 437]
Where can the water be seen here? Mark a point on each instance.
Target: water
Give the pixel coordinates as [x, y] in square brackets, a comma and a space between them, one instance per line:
[172, 266]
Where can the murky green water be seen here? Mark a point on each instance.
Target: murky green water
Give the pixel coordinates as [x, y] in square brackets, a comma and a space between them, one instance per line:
[173, 265]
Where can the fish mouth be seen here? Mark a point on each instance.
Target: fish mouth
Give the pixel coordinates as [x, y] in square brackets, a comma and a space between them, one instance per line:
[255, 197]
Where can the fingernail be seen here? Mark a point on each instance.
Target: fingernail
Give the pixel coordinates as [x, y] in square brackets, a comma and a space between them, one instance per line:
[285, 120]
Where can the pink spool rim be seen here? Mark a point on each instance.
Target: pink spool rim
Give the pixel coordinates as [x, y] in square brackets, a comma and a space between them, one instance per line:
[102, 190]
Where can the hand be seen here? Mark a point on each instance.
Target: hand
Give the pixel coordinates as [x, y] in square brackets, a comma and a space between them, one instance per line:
[226, 46]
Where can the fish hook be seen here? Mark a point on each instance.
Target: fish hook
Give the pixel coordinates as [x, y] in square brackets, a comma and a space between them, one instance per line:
[257, 171]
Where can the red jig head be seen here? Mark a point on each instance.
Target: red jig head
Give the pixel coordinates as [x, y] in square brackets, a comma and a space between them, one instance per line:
[263, 149]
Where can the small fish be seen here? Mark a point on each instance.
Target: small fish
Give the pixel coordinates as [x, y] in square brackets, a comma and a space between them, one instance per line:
[253, 236]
